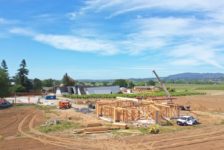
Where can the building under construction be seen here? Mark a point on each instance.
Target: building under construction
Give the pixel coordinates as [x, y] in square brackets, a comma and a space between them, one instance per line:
[130, 110]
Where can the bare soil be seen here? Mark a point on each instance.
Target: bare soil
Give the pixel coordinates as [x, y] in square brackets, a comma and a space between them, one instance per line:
[17, 127]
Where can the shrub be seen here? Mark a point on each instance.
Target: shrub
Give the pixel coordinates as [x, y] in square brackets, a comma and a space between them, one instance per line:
[63, 125]
[154, 129]
[166, 123]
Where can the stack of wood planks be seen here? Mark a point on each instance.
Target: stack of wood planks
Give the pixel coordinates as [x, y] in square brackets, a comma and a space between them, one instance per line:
[94, 128]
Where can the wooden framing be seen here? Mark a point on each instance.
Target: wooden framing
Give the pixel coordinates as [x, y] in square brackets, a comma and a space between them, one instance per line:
[129, 111]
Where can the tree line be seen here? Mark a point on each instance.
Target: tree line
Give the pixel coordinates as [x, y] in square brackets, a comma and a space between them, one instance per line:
[20, 82]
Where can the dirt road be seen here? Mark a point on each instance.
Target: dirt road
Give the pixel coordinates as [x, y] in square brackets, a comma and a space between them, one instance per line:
[17, 127]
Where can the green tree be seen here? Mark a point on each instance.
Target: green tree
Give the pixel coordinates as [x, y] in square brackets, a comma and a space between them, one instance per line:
[4, 66]
[151, 82]
[105, 83]
[121, 83]
[130, 84]
[48, 83]
[18, 88]
[4, 83]
[93, 83]
[140, 83]
[37, 84]
[67, 80]
[22, 77]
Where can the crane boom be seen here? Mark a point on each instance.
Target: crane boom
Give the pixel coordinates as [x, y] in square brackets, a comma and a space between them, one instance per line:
[163, 86]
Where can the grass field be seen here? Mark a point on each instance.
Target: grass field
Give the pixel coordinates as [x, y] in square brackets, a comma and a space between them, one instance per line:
[144, 95]
[193, 87]
[178, 90]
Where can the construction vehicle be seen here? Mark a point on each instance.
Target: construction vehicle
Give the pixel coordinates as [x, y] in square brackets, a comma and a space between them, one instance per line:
[164, 88]
[169, 98]
[92, 105]
[65, 104]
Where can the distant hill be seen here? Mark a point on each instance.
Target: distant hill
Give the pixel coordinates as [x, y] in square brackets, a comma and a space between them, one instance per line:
[196, 76]
[182, 76]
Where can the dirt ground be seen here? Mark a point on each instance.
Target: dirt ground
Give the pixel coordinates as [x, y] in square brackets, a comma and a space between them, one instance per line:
[17, 131]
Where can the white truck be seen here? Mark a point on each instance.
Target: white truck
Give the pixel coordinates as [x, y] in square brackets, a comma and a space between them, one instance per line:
[187, 121]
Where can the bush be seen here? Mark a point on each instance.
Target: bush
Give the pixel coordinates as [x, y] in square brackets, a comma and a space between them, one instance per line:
[166, 123]
[63, 125]
[18, 88]
[154, 129]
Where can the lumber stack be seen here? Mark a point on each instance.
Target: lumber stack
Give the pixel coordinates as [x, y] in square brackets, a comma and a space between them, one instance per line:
[94, 130]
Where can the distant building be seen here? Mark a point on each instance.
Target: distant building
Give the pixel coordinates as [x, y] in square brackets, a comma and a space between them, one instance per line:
[48, 90]
[125, 90]
[83, 90]
[138, 89]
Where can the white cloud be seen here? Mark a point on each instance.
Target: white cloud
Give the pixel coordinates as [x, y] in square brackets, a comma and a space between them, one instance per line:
[118, 7]
[193, 39]
[77, 44]
[22, 31]
[195, 54]
[2, 21]
[185, 62]
[69, 42]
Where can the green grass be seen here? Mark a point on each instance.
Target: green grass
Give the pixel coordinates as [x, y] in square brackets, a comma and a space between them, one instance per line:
[23, 105]
[143, 130]
[144, 95]
[118, 133]
[193, 87]
[152, 129]
[222, 122]
[175, 128]
[63, 125]
[46, 109]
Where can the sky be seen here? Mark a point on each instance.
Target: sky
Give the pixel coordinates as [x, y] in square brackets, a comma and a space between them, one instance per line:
[111, 39]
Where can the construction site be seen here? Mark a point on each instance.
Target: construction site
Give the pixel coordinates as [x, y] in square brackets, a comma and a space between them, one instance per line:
[130, 110]
[121, 123]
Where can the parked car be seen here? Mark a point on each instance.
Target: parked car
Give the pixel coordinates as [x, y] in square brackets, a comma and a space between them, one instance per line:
[4, 104]
[186, 121]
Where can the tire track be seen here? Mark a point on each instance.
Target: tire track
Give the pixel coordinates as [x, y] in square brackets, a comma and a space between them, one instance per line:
[48, 139]
[58, 140]
[10, 123]
[69, 143]
[198, 141]
[20, 126]
[193, 139]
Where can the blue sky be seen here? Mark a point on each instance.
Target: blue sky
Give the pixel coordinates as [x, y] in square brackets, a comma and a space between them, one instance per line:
[105, 39]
